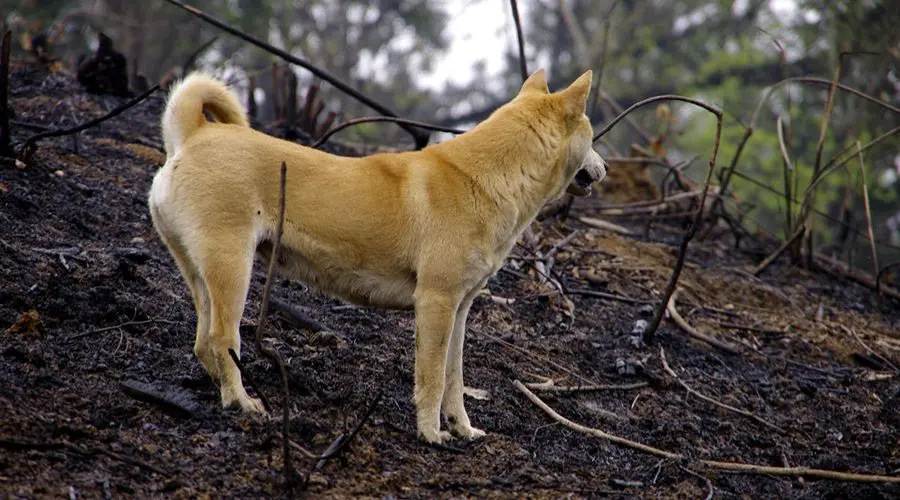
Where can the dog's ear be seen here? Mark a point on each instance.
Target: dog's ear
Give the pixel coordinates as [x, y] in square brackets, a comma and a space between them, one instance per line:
[537, 82]
[576, 95]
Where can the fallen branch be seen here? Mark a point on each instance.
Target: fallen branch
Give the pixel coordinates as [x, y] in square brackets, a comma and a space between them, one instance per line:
[713, 464]
[30, 144]
[863, 278]
[393, 119]
[298, 317]
[421, 139]
[690, 390]
[604, 225]
[881, 273]
[172, 402]
[693, 332]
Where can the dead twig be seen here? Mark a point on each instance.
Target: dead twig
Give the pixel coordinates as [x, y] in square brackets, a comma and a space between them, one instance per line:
[788, 175]
[245, 375]
[420, 138]
[610, 296]
[712, 464]
[868, 211]
[693, 332]
[523, 65]
[269, 352]
[690, 390]
[172, 402]
[535, 356]
[120, 325]
[842, 270]
[706, 480]
[30, 144]
[869, 349]
[549, 386]
[774, 255]
[297, 316]
[393, 119]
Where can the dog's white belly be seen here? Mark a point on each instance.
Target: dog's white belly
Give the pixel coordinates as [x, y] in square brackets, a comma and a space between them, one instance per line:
[365, 287]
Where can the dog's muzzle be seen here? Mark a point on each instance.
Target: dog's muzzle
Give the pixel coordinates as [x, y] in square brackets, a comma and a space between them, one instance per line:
[594, 170]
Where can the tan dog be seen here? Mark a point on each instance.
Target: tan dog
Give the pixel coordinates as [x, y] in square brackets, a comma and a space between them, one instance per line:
[423, 229]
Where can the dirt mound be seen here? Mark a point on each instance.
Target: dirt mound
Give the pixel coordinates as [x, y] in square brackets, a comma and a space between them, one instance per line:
[90, 300]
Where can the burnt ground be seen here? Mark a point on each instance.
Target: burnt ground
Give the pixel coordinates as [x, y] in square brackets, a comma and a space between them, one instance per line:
[89, 299]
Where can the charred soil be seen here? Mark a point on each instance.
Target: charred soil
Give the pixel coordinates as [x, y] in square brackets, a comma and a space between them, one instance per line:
[90, 302]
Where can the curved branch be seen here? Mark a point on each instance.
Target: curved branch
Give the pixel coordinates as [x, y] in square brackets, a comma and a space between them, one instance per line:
[523, 66]
[668, 97]
[393, 119]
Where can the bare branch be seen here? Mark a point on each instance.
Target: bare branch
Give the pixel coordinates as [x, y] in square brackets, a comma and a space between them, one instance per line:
[393, 119]
[523, 65]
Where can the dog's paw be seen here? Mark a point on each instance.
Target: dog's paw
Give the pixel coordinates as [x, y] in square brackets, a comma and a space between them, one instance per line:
[435, 436]
[479, 394]
[244, 403]
[468, 432]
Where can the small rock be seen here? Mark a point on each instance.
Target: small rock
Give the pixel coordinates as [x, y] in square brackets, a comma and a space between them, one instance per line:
[646, 310]
[137, 240]
[59, 173]
[326, 339]
[629, 367]
[636, 341]
[640, 326]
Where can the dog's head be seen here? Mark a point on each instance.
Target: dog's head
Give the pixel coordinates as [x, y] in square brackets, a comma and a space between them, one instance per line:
[562, 115]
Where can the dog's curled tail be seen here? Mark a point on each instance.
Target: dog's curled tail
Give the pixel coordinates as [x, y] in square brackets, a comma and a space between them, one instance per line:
[188, 99]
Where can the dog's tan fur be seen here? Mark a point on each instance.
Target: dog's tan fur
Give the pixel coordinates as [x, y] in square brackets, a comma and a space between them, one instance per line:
[422, 229]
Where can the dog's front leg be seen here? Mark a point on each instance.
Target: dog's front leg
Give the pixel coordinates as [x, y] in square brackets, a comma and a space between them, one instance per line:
[435, 315]
[453, 404]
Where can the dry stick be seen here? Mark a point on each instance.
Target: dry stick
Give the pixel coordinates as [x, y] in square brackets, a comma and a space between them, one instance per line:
[788, 173]
[367, 119]
[421, 139]
[609, 296]
[702, 478]
[245, 375]
[5, 132]
[771, 258]
[270, 352]
[868, 209]
[859, 276]
[30, 143]
[869, 349]
[713, 464]
[690, 390]
[544, 387]
[121, 325]
[695, 225]
[693, 332]
[523, 66]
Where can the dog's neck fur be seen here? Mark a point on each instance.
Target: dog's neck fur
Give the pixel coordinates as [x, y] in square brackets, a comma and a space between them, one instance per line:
[515, 175]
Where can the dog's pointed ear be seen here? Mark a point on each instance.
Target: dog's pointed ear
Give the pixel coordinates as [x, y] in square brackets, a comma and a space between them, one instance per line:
[537, 82]
[576, 95]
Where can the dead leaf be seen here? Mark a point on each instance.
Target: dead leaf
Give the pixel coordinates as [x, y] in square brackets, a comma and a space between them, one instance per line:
[29, 323]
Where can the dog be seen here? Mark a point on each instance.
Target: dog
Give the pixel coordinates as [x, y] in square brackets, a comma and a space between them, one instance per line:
[420, 230]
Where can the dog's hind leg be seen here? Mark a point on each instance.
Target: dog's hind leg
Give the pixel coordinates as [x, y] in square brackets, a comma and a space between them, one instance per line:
[453, 405]
[225, 268]
[198, 293]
